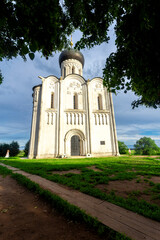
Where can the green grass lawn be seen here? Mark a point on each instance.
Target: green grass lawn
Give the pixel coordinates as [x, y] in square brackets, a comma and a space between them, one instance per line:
[124, 169]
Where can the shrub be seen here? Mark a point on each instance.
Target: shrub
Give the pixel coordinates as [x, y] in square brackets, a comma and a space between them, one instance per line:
[146, 146]
[26, 149]
[13, 147]
[3, 149]
[122, 148]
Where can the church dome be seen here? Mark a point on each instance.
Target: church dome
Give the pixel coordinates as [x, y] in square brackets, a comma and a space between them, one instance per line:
[71, 54]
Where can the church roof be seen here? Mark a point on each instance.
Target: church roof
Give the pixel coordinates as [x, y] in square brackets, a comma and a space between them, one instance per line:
[40, 85]
[71, 54]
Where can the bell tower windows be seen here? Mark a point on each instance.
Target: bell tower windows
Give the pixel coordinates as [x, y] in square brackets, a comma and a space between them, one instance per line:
[64, 72]
[52, 100]
[75, 101]
[99, 101]
[73, 69]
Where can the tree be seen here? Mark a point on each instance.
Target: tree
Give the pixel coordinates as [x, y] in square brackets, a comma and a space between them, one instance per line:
[3, 149]
[135, 64]
[122, 147]
[13, 148]
[29, 26]
[26, 149]
[146, 146]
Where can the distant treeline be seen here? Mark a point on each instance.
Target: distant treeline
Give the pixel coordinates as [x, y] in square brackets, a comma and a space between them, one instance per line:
[13, 148]
[144, 146]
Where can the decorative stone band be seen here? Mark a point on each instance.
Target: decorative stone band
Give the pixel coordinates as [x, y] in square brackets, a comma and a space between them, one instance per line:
[75, 118]
[101, 111]
[51, 117]
[100, 119]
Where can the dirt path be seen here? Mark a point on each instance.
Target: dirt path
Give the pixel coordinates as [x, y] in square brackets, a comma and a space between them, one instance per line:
[131, 224]
[24, 216]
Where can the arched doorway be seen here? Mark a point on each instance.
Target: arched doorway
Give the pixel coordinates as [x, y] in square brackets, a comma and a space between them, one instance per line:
[75, 145]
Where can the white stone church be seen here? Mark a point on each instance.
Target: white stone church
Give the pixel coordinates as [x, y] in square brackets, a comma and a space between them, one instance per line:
[72, 116]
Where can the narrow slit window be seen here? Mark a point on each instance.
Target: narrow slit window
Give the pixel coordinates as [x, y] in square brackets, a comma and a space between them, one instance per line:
[52, 100]
[73, 69]
[64, 72]
[99, 99]
[35, 96]
[47, 118]
[52, 119]
[75, 101]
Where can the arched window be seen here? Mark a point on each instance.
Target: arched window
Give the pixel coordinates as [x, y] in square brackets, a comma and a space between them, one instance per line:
[73, 69]
[35, 96]
[47, 118]
[75, 101]
[64, 72]
[52, 100]
[99, 99]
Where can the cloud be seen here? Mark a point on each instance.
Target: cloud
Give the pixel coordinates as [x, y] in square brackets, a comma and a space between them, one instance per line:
[48, 67]
[133, 132]
[13, 131]
[133, 124]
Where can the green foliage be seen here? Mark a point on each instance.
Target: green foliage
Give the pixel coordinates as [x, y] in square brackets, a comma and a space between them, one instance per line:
[21, 153]
[13, 147]
[146, 146]
[26, 149]
[3, 149]
[135, 64]
[122, 147]
[93, 18]
[1, 77]
[30, 26]
[112, 169]
[4, 171]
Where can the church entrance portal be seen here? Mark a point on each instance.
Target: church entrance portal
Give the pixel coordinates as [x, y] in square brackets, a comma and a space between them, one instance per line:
[75, 145]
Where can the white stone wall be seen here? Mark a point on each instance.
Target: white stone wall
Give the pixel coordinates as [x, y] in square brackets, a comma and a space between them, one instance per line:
[100, 120]
[47, 142]
[35, 121]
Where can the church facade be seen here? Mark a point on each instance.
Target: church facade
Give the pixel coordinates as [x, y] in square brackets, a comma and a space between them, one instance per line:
[72, 116]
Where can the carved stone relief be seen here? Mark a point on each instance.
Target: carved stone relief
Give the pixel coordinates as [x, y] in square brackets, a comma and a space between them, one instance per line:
[70, 64]
[74, 86]
[51, 85]
[98, 87]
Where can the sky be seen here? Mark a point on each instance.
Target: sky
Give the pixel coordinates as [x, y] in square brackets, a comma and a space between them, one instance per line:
[20, 77]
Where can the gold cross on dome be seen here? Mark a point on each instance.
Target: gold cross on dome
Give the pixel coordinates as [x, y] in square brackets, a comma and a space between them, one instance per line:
[71, 41]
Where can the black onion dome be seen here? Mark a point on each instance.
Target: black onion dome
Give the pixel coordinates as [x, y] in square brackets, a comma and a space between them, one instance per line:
[71, 54]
